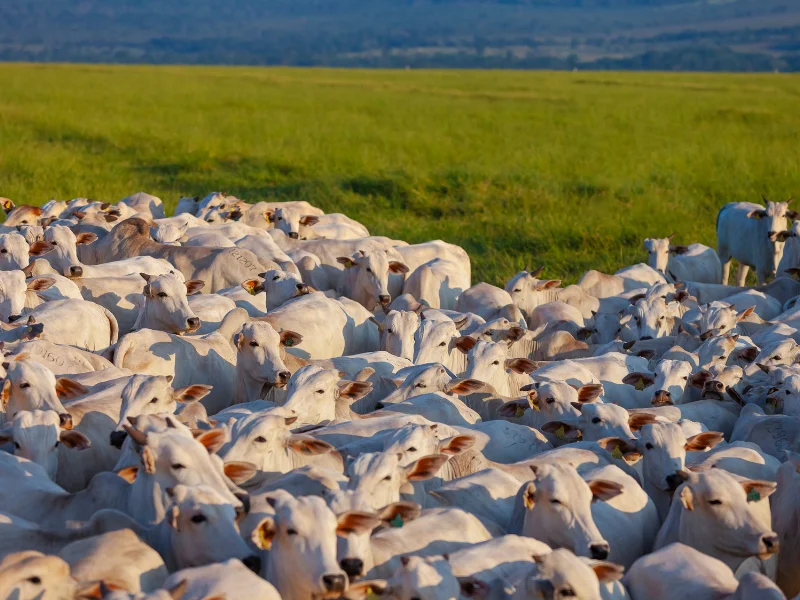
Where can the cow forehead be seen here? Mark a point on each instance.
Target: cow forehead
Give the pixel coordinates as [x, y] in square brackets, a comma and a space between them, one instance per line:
[260, 331]
[373, 463]
[307, 512]
[673, 367]
[167, 281]
[262, 424]
[313, 374]
[60, 234]
[30, 370]
[36, 418]
[556, 478]
[663, 434]
[488, 349]
[146, 386]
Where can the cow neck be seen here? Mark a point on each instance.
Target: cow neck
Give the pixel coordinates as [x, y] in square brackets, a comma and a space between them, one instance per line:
[456, 360]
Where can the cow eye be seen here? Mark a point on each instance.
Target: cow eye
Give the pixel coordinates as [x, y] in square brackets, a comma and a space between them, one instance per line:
[597, 420]
[24, 385]
[369, 270]
[291, 532]
[35, 580]
[199, 519]
[412, 449]
[421, 385]
[497, 362]
[16, 445]
[261, 439]
[280, 218]
[722, 326]
[550, 400]
[25, 222]
[554, 501]
[254, 344]
[649, 446]
[276, 278]
[568, 593]
[715, 502]
[154, 401]
[776, 357]
[390, 331]
[320, 391]
[178, 466]
[722, 356]
[387, 478]
[162, 294]
[517, 290]
[686, 378]
[489, 332]
[3, 251]
[788, 392]
[443, 344]
[54, 243]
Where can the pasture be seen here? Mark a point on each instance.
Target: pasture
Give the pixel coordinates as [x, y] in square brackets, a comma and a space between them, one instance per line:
[569, 170]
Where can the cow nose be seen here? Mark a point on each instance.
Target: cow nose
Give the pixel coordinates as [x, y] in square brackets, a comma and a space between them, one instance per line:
[384, 298]
[334, 583]
[673, 481]
[283, 376]
[117, 438]
[302, 288]
[352, 566]
[253, 563]
[661, 397]
[599, 551]
[193, 322]
[76, 271]
[771, 543]
[771, 235]
[293, 235]
[646, 337]
[13, 318]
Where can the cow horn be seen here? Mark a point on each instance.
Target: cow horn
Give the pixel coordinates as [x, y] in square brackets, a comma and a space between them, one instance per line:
[136, 435]
[537, 271]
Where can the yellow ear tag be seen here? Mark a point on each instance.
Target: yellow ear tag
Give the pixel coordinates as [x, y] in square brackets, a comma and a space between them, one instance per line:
[520, 412]
[371, 595]
[617, 453]
[561, 433]
[640, 384]
[528, 501]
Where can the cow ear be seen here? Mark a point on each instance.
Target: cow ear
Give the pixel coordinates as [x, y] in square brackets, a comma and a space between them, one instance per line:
[238, 340]
[239, 472]
[253, 286]
[4, 395]
[758, 490]
[192, 393]
[757, 214]
[177, 591]
[309, 220]
[264, 533]
[307, 445]
[703, 441]
[745, 313]
[40, 284]
[290, 338]
[193, 286]
[172, 516]
[355, 522]
[149, 460]
[687, 498]
[85, 238]
[212, 440]
[590, 393]
[397, 267]
[464, 387]
[67, 389]
[604, 490]
[700, 378]
[128, 473]
[426, 467]
[515, 408]
[638, 420]
[74, 439]
[521, 365]
[550, 283]
[40, 248]
[354, 390]
[7, 205]
[465, 343]
[607, 572]
[639, 379]
[377, 324]
[456, 445]
[348, 262]
[529, 496]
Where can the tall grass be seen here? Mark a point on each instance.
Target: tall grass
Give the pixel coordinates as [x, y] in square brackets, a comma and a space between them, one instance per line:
[568, 170]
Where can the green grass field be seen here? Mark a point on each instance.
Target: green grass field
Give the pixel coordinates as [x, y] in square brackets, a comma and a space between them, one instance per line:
[568, 170]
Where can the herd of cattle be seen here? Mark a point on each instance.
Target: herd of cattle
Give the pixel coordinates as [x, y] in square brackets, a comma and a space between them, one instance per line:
[263, 401]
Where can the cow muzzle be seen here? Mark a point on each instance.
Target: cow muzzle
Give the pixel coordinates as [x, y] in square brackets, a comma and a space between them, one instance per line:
[661, 398]
[294, 235]
[713, 390]
[75, 272]
[384, 299]
[334, 583]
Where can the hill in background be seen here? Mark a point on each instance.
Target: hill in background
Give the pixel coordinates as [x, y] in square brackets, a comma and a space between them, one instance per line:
[747, 35]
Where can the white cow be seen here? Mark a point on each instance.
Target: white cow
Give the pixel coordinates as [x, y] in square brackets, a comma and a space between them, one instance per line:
[695, 262]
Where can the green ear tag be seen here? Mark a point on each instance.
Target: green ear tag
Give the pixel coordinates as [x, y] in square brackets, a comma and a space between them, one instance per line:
[397, 521]
[617, 453]
[753, 496]
[640, 384]
[288, 343]
[561, 433]
[520, 412]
